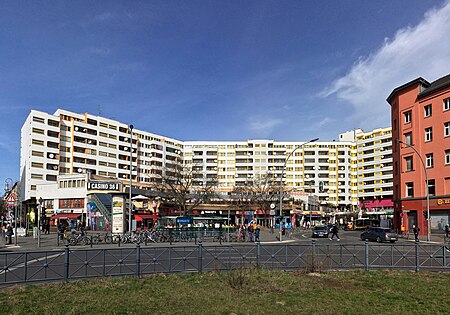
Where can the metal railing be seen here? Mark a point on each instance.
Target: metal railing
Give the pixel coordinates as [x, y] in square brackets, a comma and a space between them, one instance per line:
[70, 264]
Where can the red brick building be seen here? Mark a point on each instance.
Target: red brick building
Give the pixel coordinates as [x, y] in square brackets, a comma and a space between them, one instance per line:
[420, 114]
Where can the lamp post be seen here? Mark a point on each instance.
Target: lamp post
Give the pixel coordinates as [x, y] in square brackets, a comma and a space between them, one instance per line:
[426, 186]
[39, 222]
[281, 182]
[130, 129]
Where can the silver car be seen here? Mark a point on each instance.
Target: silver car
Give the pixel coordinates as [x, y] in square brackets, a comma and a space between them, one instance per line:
[379, 234]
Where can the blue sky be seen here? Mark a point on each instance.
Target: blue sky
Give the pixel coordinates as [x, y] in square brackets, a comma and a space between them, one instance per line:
[216, 70]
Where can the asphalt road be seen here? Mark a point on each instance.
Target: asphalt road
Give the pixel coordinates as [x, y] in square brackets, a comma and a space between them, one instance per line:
[53, 263]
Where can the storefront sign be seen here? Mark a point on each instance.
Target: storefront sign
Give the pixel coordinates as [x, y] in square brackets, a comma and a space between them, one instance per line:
[441, 202]
[112, 186]
[184, 220]
[118, 215]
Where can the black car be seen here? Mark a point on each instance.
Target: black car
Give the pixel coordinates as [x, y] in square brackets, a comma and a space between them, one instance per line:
[379, 234]
[320, 231]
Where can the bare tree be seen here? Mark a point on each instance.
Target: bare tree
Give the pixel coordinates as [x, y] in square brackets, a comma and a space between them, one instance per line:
[258, 193]
[187, 187]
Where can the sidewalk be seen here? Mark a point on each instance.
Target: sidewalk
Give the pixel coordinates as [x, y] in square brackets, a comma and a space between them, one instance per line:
[50, 241]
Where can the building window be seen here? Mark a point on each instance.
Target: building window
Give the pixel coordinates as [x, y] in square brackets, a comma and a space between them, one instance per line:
[38, 119]
[407, 117]
[37, 142]
[427, 110]
[447, 157]
[37, 153]
[428, 134]
[410, 189]
[38, 131]
[408, 138]
[447, 129]
[431, 187]
[409, 163]
[429, 160]
[37, 176]
[37, 165]
[447, 104]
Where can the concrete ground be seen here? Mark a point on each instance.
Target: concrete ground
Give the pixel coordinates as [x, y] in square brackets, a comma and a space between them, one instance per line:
[50, 241]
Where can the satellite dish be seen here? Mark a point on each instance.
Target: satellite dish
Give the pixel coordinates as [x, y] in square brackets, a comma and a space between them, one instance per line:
[76, 128]
[55, 167]
[80, 170]
[51, 155]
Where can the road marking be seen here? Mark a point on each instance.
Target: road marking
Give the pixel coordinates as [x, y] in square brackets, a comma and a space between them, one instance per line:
[21, 265]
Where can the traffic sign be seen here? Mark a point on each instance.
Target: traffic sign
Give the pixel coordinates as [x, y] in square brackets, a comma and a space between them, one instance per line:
[11, 198]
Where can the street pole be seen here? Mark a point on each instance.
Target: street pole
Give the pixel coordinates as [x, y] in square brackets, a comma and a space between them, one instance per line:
[281, 182]
[15, 224]
[130, 128]
[39, 223]
[426, 188]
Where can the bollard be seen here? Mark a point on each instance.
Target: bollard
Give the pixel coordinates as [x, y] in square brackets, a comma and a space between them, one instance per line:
[170, 236]
[91, 241]
[313, 256]
[258, 252]
[138, 260]
[57, 239]
[417, 255]
[119, 240]
[366, 255]
[200, 256]
[66, 263]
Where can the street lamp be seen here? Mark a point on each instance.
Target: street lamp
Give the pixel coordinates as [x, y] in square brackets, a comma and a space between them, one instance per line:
[130, 129]
[281, 181]
[309, 205]
[426, 187]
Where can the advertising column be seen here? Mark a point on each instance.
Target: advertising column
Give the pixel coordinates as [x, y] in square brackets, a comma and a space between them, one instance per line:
[118, 215]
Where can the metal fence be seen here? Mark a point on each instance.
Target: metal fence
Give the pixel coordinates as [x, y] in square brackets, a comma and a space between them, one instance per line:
[69, 264]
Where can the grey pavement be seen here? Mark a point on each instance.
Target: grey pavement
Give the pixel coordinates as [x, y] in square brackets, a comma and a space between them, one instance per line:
[50, 241]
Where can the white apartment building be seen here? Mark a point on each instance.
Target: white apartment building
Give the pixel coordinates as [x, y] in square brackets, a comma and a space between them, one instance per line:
[375, 173]
[71, 143]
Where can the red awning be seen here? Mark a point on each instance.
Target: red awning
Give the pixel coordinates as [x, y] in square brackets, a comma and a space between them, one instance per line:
[140, 217]
[65, 216]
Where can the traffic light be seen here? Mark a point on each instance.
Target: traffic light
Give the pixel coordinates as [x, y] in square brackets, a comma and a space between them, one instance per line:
[425, 215]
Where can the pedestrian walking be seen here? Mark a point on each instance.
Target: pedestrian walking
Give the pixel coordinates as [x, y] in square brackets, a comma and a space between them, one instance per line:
[335, 232]
[416, 231]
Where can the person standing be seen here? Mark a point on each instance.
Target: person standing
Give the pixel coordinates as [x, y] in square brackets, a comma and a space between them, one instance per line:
[416, 231]
[335, 232]
[9, 234]
[257, 232]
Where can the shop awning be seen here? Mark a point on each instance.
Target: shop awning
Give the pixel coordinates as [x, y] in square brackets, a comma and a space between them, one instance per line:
[140, 217]
[65, 216]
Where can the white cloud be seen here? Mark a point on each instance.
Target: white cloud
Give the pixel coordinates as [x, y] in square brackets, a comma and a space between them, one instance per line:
[419, 51]
[265, 125]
